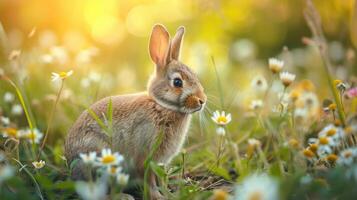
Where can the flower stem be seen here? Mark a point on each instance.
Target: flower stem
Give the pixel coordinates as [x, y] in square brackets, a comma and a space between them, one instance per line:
[50, 119]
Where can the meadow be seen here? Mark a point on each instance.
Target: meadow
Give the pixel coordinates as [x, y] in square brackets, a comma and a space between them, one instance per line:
[280, 77]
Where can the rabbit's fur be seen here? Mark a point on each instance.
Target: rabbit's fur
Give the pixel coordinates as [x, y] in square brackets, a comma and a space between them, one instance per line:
[139, 118]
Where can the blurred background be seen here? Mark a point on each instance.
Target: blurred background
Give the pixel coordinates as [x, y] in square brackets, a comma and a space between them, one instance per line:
[105, 44]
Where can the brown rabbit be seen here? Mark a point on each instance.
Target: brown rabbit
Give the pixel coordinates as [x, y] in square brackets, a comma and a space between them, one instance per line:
[173, 94]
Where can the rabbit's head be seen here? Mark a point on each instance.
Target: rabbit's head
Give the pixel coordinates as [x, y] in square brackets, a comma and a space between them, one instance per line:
[173, 85]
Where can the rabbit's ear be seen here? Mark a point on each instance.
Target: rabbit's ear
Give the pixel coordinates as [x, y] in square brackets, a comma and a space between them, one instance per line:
[159, 46]
[176, 43]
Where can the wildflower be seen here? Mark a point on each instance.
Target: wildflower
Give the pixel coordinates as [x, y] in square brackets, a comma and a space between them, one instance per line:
[341, 86]
[47, 58]
[253, 144]
[275, 65]
[256, 104]
[88, 158]
[9, 97]
[294, 143]
[10, 132]
[324, 144]
[122, 179]
[221, 131]
[352, 93]
[301, 113]
[332, 157]
[16, 109]
[221, 118]
[337, 82]
[33, 136]
[294, 95]
[310, 100]
[38, 164]
[219, 194]
[287, 78]
[6, 172]
[113, 170]
[108, 158]
[257, 186]
[259, 84]
[306, 85]
[313, 147]
[59, 54]
[346, 157]
[331, 131]
[92, 191]
[14, 55]
[61, 75]
[332, 107]
[308, 153]
[5, 121]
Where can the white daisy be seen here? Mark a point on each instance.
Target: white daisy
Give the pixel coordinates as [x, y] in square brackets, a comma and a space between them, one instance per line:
[108, 158]
[9, 97]
[61, 75]
[221, 118]
[275, 65]
[256, 104]
[5, 121]
[122, 179]
[332, 131]
[33, 136]
[38, 164]
[257, 186]
[325, 145]
[259, 84]
[92, 191]
[254, 142]
[287, 78]
[346, 157]
[88, 158]
[113, 170]
[16, 109]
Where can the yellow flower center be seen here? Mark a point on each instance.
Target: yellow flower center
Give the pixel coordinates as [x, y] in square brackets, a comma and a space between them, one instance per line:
[308, 153]
[220, 195]
[332, 106]
[256, 196]
[108, 159]
[31, 136]
[347, 154]
[336, 82]
[313, 147]
[323, 140]
[294, 95]
[63, 75]
[332, 157]
[113, 170]
[331, 132]
[12, 132]
[294, 143]
[222, 119]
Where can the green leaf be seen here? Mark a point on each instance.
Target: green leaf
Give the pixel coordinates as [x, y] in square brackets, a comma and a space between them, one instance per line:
[158, 170]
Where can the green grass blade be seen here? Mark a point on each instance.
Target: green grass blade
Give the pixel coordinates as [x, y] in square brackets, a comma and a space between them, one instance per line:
[99, 121]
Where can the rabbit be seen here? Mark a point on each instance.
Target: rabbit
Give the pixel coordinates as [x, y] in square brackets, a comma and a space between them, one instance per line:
[173, 94]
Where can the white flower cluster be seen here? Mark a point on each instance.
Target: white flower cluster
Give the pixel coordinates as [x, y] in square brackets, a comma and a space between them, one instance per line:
[109, 161]
[328, 139]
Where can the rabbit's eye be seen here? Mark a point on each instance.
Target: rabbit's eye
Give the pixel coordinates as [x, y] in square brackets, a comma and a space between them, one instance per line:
[177, 82]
